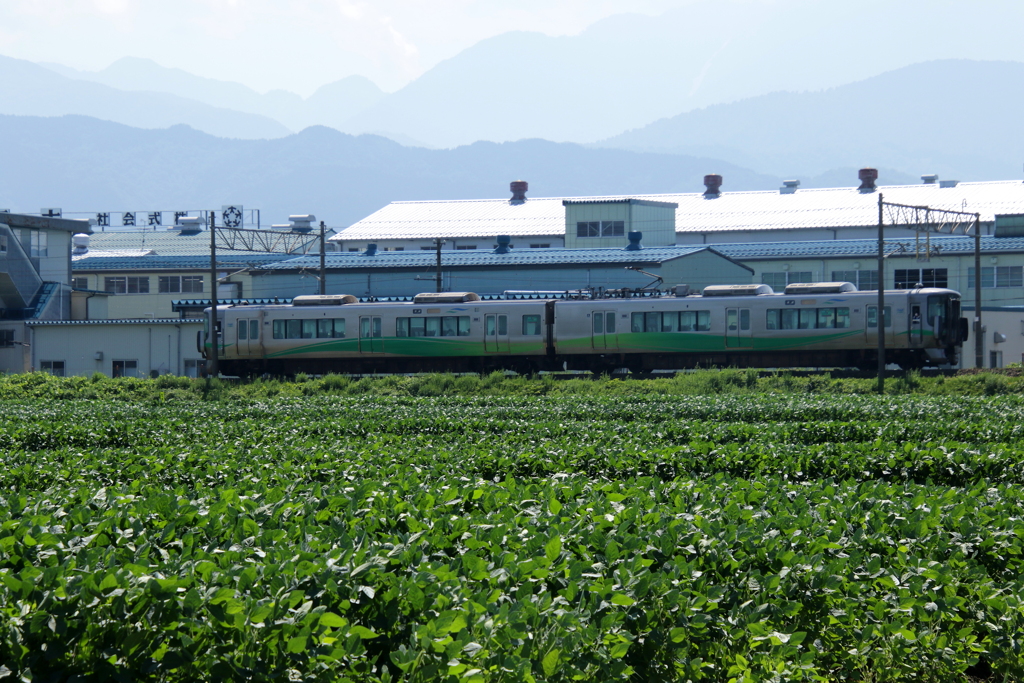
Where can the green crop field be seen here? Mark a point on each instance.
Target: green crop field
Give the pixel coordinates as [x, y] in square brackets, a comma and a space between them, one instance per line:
[747, 537]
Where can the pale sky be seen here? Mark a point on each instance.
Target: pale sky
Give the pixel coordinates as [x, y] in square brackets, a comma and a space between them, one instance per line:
[295, 45]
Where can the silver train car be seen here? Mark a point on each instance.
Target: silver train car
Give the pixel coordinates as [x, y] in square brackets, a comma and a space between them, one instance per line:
[809, 325]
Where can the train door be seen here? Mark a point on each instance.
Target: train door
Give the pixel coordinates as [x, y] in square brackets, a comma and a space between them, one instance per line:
[371, 334]
[871, 328]
[916, 331]
[603, 334]
[248, 337]
[496, 333]
[738, 334]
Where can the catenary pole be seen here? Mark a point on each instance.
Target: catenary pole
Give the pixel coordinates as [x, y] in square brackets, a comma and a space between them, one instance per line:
[880, 315]
[213, 370]
[437, 244]
[979, 339]
[323, 264]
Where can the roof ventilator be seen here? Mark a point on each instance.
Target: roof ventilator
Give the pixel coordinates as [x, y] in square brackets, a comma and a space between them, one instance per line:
[80, 244]
[519, 188]
[713, 182]
[188, 225]
[371, 250]
[867, 176]
[930, 178]
[634, 240]
[948, 183]
[737, 290]
[789, 186]
[503, 242]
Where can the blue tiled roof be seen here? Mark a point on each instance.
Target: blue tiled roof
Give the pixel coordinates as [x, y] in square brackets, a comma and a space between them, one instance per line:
[182, 262]
[864, 248]
[470, 258]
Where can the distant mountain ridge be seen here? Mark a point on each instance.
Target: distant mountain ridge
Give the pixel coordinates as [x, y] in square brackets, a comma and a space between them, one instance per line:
[86, 165]
[32, 90]
[331, 105]
[906, 119]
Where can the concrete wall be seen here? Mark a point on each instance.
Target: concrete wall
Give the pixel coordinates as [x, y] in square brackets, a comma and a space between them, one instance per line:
[157, 305]
[158, 346]
[657, 223]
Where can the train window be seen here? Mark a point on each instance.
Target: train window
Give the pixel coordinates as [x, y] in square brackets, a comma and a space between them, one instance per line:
[771, 319]
[826, 318]
[417, 327]
[744, 318]
[637, 322]
[308, 329]
[936, 311]
[531, 325]
[489, 331]
[449, 326]
[432, 327]
[339, 328]
[325, 328]
[279, 329]
[294, 329]
[873, 316]
[598, 323]
[670, 322]
[807, 316]
[402, 327]
[463, 325]
[730, 319]
[254, 329]
[502, 325]
[652, 322]
[609, 322]
[789, 319]
[243, 330]
[842, 317]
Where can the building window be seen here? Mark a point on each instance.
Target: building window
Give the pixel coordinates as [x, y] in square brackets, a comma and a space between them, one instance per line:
[34, 241]
[194, 367]
[540, 246]
[909, 278]
[865, 280]
[126, 285]
[394, 248]
[3, 244]
[6, 339]
[184, 284]
[465, 246]
[79, 283]
[778, 281]
[54, 367]
[353, 248]
[124, 368]
[600, 228]
[998, 277]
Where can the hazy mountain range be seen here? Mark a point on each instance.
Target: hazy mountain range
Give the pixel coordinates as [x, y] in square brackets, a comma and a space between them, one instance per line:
[86, 165]
[779, 91]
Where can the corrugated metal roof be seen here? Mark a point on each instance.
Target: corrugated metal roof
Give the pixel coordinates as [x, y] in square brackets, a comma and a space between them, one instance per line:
[474, 257]
[133, 321]
[729, 211]
[231, 259]
[865, 248]
[163, 242]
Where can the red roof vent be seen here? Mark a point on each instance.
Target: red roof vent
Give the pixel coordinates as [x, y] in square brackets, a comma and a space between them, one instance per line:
[713, 182]
[867, 176]
[519, 188]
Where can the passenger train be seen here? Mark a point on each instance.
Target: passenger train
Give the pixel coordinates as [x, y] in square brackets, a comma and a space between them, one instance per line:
[827, 324]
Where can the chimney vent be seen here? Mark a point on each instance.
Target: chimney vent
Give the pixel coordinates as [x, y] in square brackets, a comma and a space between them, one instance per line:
[713, 182]
[519, 188]
[789, 186]
[634, 240]
[503, 242]
[371, 250]
[81, 244]
[867, 176]
[929, 178]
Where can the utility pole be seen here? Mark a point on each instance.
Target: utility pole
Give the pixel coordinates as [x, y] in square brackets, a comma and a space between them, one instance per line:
[323, 264]
[213, 370]
[979, 338]
[437, 246]
[880, 316]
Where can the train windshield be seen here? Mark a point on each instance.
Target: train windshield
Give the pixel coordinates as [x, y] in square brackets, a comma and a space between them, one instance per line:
[943, 313]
